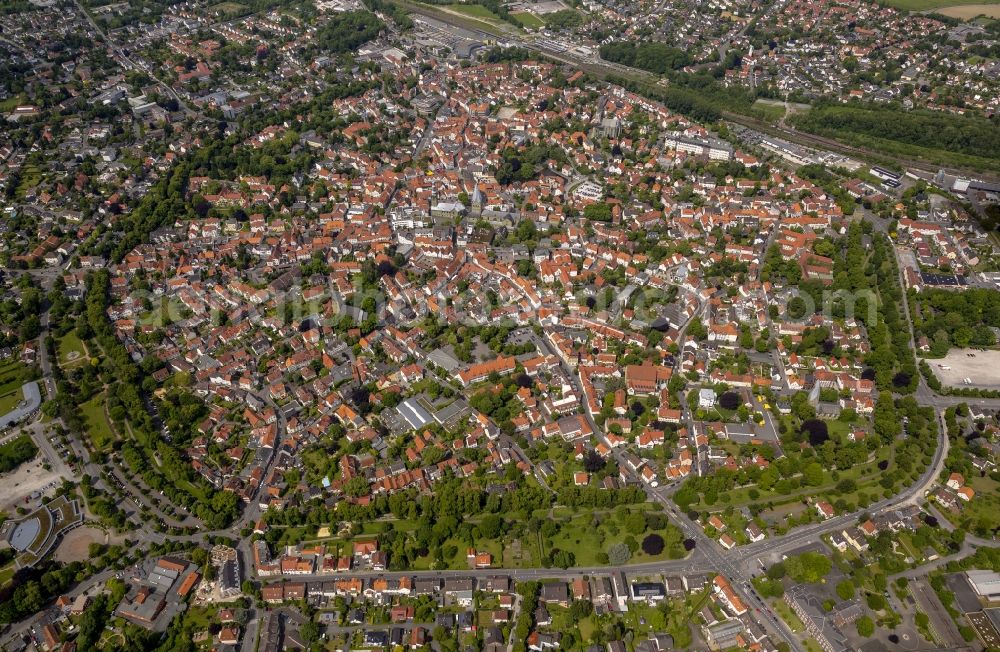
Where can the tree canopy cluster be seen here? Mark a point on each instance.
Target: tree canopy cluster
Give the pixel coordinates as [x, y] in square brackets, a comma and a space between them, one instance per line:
[126, 384]
[929, 130]
[809, 567]
[657, 58]
[520, 165]
[959, 319]
[15, 452]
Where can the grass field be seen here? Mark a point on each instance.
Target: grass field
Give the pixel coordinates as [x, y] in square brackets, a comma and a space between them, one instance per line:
[529, 20]
[10, 398]
[11, 372]
[474, 11]
[31, 176]
[865, 475]
[981, 513]
[98, 426]
[11, 379]
[580, 536]
[72, 351]
[791, 619]
[770, 109]
[6, 573]
[230, 8]
[11, 103]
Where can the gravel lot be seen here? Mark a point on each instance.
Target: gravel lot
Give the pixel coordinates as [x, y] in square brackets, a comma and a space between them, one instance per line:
[983, 368]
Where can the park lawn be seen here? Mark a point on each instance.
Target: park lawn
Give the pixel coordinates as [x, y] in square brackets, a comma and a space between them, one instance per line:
[110, 640]
[586, 542]
[72, 351]
[6, 573]
[860, 473]
[836, 427]
[580, 537]
[558, 512]
[11, 103]
[199, 493]
[422, 563]
[98, 427]
[529, 20]
[812, 645]
[786, 614]
[983, 485]
[372, 528]
[9, 398]
[289, 535]
[199, 618]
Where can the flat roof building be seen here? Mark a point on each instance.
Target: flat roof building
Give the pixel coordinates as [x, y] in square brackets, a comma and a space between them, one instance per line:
[985, 583]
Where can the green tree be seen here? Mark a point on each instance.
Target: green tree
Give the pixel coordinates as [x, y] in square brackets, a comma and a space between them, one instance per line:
[812, 474]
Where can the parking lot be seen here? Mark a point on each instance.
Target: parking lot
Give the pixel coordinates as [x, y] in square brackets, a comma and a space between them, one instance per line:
[29, 481]
[980, 367]
[965, 598]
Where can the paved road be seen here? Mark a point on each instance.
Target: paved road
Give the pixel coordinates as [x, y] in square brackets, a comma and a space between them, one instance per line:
[43, 358]
[249, 641]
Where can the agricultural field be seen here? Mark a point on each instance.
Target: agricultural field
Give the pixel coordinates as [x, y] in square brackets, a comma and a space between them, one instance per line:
[968, 12]
[929, 5]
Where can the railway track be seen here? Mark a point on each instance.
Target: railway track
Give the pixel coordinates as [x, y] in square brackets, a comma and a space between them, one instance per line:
[604, 69]
[813, 140]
